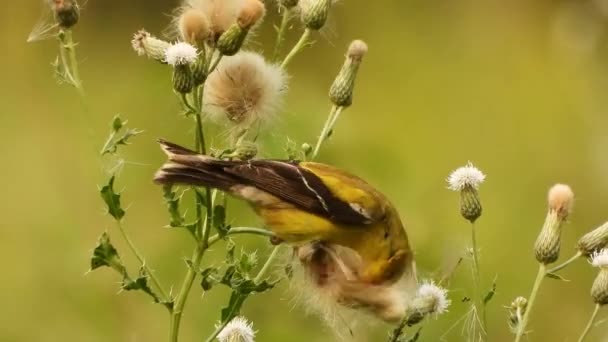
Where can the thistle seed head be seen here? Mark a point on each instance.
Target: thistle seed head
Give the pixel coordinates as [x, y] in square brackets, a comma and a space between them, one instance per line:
[314, 13]
[561, 199]
[594, 240]
[548, 243]
[193, 27]
[145, 44]
[238, 330]
[67, 12]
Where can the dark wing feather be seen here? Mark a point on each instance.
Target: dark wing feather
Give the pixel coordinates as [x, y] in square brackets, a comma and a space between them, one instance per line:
[298, 186]
[285, 180]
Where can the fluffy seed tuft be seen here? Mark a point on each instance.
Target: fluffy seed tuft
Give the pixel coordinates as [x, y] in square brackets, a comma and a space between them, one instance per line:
[238, 330]
[466, 176]
[193, 27]
[357, 49]
[251, 13]
[243, 90]
[561, 199]
[600, 258]
[438, 295]
[181, 54]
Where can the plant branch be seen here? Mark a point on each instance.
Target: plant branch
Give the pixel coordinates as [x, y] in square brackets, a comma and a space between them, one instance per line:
[241, 230]
[590, 323]
[286, 15]
[301, 44]
[139, 257]
[477, 278]
[521, 329]
[566, 263]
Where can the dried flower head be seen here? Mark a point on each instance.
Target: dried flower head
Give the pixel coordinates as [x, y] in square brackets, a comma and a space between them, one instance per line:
[561, 199]
[145, 44]
[594, 240]
[67, 12]
[548, 243]
[181, 54]
[517, 309]
[600, 258]
[231, 41]
[222, 14]
[341, 91]
[238, 330]
[466, 176]
[193, 27]
[244, 89]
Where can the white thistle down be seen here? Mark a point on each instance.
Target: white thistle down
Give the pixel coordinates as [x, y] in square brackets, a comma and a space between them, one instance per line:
[600, 258]
[244, 89]
[438, 294]
[221, 14]
[465, 176]
[181, 54]
[239, 330]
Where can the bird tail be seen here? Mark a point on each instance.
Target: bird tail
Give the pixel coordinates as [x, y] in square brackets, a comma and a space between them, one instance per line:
[190, 168]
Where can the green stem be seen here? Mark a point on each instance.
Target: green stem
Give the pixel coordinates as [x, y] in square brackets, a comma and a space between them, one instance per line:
[477, 278]
[182, 296]
[566, 263]
[589, 324]
[335, 110]
[542, 272]
[67, 53]
[241, 230]
[134, 250]
[398, 331]
[297, 48]
[286, 15]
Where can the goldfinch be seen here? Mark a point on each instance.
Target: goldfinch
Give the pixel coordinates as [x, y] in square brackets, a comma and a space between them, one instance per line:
[346, 233]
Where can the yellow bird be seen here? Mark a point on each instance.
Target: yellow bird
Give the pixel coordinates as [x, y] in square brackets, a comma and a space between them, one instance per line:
[346, 233]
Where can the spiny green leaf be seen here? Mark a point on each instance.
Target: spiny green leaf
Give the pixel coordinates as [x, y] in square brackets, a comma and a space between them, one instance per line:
[117, 139]
[490, 294]
[247, 262]
[112, 200]
[105, 254]
[556, 277]
[233, 307]
[219, 217]
[210, 277]
[172, 200]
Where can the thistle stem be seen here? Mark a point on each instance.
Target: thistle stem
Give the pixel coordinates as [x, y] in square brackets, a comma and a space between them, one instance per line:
[542, 272]
[286, 15]
[67, 53]
[327, 127]
[477, 279]
[241, 230]
[566, 263]
[302, 42]
[135, 252]
[589, 324]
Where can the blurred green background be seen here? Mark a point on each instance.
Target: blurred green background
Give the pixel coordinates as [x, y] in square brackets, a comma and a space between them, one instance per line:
[517, 87]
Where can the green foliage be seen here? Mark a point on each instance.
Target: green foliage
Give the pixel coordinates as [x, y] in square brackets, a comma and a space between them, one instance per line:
[105, 254]
[118, 137]
[112, 200]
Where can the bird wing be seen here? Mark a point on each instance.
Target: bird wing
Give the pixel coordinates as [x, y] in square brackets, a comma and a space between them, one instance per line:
[299, 186]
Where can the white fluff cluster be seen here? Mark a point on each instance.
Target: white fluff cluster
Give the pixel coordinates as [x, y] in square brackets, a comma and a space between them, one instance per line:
[239, 329]
[221, 14]
[465, 176]
[181, 54]
[438, 294]
[600, 258]
[244, 89]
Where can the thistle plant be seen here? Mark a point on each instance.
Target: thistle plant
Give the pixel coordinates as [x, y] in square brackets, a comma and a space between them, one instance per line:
[599, 289]
[466, 181]
[64, 15]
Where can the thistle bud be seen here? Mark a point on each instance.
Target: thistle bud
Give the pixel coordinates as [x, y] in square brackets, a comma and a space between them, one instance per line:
[288, 3]
[547, 246]
[306, 149]
[315, 13]
[199, 72]
[230, 42]
[594, 240]
[147, 45]
[517, 309]
[181, 56]
[341, 91]
[66, 12]
[466, 180]
[245, 150]
[599, 290]
[194, 27]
